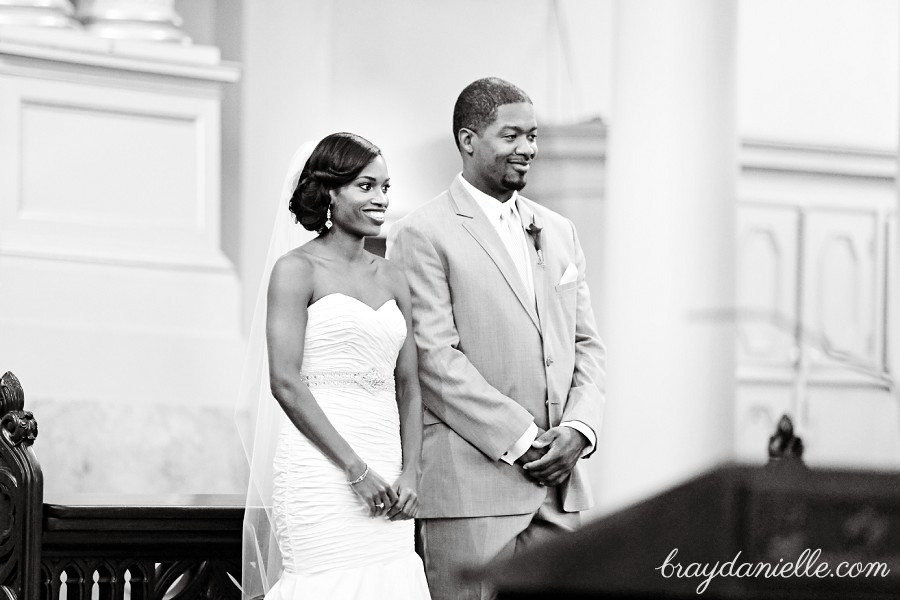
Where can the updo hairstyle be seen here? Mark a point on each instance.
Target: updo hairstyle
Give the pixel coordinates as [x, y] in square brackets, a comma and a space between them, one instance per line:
[335, 162]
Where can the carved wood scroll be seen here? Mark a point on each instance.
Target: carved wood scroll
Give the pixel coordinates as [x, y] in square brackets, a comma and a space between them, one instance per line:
[21, 495]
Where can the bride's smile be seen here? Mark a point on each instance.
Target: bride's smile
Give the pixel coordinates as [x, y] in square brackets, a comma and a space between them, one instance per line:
[359, 207]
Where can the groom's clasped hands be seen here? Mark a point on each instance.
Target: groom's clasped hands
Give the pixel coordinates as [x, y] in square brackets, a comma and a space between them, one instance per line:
[553, 455]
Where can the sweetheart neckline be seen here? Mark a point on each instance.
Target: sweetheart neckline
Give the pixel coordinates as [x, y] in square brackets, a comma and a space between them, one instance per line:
[357, 300]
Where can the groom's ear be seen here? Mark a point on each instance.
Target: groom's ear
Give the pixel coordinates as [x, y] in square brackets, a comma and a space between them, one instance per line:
[465, 136]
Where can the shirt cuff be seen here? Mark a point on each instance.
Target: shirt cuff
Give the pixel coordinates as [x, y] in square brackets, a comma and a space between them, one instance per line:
[521, 446]
[586, 431]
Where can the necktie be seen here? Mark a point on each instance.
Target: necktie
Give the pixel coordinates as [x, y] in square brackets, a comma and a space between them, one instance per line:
[511, 230]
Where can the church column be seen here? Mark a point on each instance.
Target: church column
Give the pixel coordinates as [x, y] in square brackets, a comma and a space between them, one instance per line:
[146, 20]
[38, 13]
[672, 166]
[280, 109]
[893, 289]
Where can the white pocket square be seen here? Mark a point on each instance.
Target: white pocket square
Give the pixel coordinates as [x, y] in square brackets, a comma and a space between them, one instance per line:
[570, 275]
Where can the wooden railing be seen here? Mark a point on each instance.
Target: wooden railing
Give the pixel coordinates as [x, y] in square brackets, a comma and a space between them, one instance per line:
[177, 547]
[110, 548]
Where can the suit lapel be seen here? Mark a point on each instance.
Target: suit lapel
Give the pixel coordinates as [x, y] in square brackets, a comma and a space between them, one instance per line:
[538, 268]
[476, 223]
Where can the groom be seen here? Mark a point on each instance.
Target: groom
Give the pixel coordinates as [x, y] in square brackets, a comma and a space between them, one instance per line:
[510, 363]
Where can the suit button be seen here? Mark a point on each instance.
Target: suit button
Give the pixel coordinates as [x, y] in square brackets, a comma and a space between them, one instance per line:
[549, 361]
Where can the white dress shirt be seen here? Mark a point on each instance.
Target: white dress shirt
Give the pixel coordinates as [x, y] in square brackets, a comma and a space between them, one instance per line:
[514, 239]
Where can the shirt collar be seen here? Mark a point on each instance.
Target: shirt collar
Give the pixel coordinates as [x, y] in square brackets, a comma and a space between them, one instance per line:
[488, 204]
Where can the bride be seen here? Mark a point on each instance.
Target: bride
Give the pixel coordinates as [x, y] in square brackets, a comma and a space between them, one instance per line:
[331, 504]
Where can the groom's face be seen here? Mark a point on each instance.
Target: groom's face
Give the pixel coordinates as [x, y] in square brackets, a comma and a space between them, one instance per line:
[503, 151]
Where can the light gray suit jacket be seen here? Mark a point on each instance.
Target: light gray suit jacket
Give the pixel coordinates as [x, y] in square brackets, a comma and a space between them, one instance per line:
[489, 363]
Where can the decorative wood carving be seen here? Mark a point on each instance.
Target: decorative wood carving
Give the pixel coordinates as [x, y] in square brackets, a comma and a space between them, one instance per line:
[12, 397]
[844, 300]
[783, 443]
[21, 495]
[189, 549]
[111, 577]
[767, 253]
[205, 579]
[144, 579]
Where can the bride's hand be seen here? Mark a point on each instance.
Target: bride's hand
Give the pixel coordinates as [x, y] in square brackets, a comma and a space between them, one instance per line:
[407, 504]
[376, 493]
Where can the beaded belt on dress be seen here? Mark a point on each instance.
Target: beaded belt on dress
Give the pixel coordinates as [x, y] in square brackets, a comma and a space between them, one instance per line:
[372, 380]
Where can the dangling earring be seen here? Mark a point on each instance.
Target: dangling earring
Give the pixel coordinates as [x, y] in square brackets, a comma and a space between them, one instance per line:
[328, 222]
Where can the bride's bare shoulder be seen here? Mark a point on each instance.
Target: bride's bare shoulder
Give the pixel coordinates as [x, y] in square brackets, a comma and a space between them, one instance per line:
[294, 269]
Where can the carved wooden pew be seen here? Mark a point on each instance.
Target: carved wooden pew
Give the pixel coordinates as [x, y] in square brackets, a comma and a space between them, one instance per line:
[138, 547]
[21, 494]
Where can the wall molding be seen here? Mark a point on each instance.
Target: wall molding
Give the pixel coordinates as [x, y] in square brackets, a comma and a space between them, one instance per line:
[75, 47]
[113, 150]
[843, 161]
[589, 140]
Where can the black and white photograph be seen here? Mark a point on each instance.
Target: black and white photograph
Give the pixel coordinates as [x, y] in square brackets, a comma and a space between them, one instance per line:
[421, 300]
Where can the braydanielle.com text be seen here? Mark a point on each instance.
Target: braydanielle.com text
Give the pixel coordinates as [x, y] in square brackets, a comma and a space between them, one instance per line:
[806, 565]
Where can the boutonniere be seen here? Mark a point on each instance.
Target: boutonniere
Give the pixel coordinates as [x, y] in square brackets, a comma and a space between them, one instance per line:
[535, 232]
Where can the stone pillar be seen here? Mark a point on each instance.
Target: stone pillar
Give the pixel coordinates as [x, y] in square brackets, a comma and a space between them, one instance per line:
[118, 306]
[672, 169]
[893, 289]
[147, 20]
[274, 129]
[37, 13]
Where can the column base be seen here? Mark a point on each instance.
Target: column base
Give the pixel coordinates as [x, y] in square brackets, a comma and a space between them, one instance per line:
[38, 13]
[153, 20]
[137, 30]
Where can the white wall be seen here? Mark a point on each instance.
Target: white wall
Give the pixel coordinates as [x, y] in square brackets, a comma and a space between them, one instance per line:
[399, 66]
[391, 71]
[820, 71]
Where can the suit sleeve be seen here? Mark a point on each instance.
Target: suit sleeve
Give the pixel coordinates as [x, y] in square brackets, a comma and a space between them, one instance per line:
[587, 394]
[459, 395]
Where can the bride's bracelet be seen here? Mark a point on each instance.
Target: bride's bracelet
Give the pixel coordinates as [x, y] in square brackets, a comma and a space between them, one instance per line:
[361, 477]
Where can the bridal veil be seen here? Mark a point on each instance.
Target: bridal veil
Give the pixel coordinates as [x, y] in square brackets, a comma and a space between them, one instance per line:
[258, 415]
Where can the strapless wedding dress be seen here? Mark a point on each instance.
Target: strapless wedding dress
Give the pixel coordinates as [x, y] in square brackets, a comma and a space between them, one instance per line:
[331, 547]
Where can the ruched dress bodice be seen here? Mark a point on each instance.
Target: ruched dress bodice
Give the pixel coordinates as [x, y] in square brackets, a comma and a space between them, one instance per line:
[346, 334]
[331, 546]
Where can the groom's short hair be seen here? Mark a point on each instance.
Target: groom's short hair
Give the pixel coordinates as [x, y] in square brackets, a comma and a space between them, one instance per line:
[477, 104]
